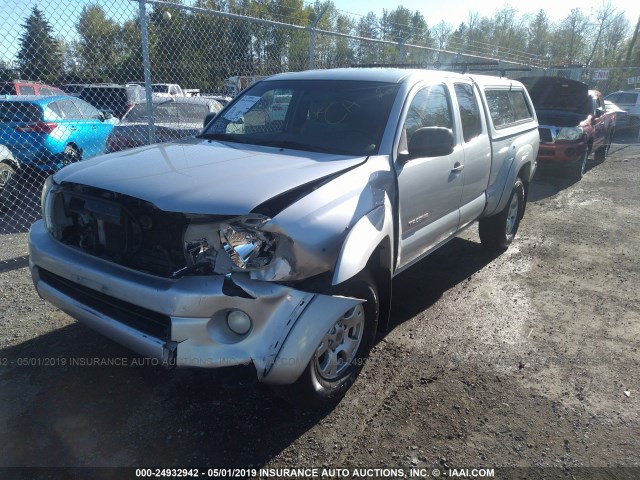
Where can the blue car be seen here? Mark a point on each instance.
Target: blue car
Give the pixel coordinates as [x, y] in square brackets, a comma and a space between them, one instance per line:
[47, 133]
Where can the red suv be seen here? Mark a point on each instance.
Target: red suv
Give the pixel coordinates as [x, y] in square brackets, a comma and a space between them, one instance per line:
[26, 87]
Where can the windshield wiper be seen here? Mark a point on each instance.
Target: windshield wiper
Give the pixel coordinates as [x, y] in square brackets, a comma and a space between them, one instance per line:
[294, 145]
[221, 136]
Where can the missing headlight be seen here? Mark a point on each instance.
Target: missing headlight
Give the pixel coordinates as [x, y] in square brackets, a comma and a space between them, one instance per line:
[247, 248]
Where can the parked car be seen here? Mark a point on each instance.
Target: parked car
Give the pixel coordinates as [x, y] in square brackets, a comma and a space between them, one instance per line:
[173, 119]
[269, 248]
[27, 87]
[49, 132]
[629, 101]
[573, 120]
[164, 90]
[73, 89]
[623, 119]
[114, 99]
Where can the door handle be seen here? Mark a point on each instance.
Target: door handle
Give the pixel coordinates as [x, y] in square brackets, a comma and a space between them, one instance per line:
[73, 129]
[457, 168]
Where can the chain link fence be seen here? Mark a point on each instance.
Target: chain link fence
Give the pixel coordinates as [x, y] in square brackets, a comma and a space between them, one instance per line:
[110, 75]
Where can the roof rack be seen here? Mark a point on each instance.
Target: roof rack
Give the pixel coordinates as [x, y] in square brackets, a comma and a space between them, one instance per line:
[461, 67]
[503, 71]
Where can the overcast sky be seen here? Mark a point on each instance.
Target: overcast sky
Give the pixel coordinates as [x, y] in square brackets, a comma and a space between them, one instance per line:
[457, 11]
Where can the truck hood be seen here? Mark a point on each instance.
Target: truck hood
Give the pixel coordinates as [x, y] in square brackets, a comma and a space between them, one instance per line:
[206, 177]
[559, 93]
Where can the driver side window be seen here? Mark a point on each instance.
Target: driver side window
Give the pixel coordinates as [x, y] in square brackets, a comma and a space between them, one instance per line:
[429, 108]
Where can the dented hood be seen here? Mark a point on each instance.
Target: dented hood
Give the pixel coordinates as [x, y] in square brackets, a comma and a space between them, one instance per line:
[205, 177]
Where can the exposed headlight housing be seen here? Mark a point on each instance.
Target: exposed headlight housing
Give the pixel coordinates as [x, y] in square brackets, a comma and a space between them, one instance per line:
[570, 133]
[247, 246]
[236, 245]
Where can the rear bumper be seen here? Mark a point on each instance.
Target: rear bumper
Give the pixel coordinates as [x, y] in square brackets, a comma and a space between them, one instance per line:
[183, 322]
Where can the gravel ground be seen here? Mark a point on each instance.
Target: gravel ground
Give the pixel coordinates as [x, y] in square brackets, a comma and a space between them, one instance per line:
[526, 362]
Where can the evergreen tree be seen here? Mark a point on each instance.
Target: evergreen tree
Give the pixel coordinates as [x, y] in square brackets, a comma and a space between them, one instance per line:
[40, 55]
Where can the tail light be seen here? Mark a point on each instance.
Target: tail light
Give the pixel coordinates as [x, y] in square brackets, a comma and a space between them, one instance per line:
[38, 127]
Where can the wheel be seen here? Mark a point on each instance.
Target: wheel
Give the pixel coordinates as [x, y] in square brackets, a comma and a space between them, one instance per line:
[6, 172]
[341, 353]
[497, 231]
[71, 155]
[578, 169]
[7, 197]
[601, 154]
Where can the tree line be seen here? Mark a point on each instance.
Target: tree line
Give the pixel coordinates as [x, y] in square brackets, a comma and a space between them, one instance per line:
[200, 50]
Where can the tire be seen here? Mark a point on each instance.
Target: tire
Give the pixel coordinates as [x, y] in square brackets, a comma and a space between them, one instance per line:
[601, 154]
[342, 352]
[71, 155]
[498, 231]
[7, 197]
[578, 169]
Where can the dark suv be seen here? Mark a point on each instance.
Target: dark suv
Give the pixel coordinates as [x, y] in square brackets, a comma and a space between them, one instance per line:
[112, 98]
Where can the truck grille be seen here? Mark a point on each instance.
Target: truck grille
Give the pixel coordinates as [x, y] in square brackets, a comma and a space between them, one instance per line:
[144, 320]
[121, 229]
[545, 135]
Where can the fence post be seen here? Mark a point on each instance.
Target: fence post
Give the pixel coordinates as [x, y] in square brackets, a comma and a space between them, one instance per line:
[146, 63]
[312, 37]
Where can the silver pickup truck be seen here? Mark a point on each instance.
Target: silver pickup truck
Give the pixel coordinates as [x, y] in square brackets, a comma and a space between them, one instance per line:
[268, 245]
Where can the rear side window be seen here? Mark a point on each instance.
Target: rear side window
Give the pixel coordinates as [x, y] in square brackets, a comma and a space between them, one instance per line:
[507, 107]
[87, 111]
[26, 90]
[68, 110]
[11, 112]
[469, 111]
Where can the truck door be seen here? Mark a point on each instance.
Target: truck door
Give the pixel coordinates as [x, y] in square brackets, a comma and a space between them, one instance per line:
[477, 152]
[429, 189]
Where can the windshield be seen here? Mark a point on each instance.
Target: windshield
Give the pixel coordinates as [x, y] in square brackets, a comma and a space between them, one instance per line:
[341, 117]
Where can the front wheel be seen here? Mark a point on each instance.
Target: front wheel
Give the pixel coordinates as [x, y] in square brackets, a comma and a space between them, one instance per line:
[341, 353]
[602, 152]
[71, 155]
[578, 169]
[7, 181]
[497, 231]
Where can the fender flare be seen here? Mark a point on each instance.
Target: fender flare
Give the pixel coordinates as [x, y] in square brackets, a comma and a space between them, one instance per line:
[525, 155]
[362, 241]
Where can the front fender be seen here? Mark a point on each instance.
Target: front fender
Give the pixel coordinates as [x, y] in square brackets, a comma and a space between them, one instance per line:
[362, 241]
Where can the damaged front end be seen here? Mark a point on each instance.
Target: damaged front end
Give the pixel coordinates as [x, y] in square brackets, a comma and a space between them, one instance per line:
[187, 290]
[136, 234]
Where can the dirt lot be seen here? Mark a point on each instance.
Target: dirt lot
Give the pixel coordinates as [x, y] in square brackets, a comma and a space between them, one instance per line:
[527, 360]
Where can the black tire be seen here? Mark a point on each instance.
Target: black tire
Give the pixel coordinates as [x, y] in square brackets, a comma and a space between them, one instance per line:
[7, 179]
[316, 389]
[498, 231]
[600, 155]
[578, 169]
[71, 155]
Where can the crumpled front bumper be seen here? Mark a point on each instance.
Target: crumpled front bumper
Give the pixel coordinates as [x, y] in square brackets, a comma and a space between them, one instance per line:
[183, 321]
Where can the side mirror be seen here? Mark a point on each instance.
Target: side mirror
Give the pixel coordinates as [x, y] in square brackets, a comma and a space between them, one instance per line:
[106, 116]
[209, 118]
[599, 112]
[430, 142]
